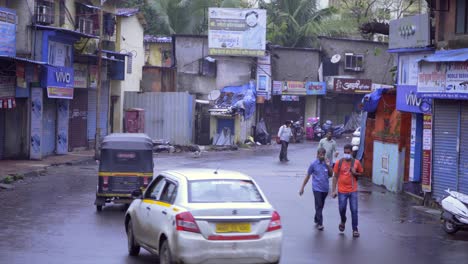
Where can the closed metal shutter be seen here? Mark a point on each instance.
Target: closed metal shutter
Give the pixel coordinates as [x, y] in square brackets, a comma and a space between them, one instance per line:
[445, 155]
[49, 120]
[2, 132]
[463, 166]
[78, 120]
[92, 111]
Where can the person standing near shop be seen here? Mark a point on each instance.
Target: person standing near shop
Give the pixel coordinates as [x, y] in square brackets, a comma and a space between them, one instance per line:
[284, 134]
[329, 144]
[346, 172]
[320, 170]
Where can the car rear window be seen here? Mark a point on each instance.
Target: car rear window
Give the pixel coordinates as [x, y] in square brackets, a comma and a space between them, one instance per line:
[223, 191]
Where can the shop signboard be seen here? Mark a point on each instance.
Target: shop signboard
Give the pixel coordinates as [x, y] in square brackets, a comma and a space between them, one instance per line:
[80, 79]
[410, 32]
[59, 92]
[237, 32]
[351, 86]
[59, 76]
[316, 88]
[294, 88]
[409, 101]
[277, 87]
[427, 154]
[290, 98]
[7, 32]
[443, 80]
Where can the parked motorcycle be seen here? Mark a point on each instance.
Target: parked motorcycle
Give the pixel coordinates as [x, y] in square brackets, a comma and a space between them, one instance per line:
[338, 131]
[313, 129]
[455, 212]
[298, 130]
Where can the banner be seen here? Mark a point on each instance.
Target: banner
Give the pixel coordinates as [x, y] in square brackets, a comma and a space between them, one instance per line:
[427, 154]
[316, 88]
[294, 88]
[237, 32]
[443, 80]
[36, 122]
[60, 92]
[62, 126]
[277, 87]
[80, 79]
[7, 32]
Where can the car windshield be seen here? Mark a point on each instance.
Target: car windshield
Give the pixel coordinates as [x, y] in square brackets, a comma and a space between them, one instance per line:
[223, 191]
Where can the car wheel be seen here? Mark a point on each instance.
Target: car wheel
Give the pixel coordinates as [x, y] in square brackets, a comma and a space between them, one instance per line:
[165, 256]
[99, 208]
[449, 227]
[133, 248]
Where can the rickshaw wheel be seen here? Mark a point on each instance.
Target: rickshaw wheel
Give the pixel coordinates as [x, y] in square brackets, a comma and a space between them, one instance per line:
[99, 208]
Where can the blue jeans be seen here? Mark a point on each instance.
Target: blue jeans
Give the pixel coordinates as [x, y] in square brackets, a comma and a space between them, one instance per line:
[353, 204]
[319, 198]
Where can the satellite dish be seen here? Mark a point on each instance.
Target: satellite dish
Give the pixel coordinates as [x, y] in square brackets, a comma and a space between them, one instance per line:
[214, 95]
[336, 58]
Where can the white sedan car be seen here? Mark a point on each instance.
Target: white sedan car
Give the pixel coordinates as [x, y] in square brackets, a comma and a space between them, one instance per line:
[204, 216]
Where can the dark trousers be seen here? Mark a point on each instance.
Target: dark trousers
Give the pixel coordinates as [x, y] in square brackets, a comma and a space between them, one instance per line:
[319, 204]
[284, 150]
[353, 206]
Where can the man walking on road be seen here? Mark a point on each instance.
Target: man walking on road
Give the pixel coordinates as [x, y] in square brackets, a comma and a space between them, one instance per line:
[284, 134]
[329, 144]
[345, 176]
[320, 170]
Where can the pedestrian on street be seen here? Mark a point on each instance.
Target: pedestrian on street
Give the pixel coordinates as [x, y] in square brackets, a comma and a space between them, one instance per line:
[320, 170]
[346, 172]
[329, 144]
[284, 134]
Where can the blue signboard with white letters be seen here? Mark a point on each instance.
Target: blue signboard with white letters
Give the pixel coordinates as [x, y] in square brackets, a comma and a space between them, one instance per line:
[59, 77]
[7, 32]
[408, 100]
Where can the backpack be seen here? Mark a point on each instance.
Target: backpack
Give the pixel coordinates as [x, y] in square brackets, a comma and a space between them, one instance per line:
[341, 162]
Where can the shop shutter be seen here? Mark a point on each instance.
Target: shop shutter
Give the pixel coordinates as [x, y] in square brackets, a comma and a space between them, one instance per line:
[92, 111]
[78, 120]
[2, 132]
[49, 120]
[463, 166]
[445, 156]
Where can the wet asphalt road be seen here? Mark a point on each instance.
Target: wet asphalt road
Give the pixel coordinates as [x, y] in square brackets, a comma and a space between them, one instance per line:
[51, 218]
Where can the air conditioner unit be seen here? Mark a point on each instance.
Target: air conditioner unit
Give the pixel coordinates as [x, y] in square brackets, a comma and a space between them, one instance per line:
[44, 15]
[86, 26]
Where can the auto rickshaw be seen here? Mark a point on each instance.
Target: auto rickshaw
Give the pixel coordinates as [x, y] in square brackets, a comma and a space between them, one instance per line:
[125, 164]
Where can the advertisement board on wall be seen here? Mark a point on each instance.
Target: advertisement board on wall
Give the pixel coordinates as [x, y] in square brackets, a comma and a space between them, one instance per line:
[427, 154]
[7, 32]
[80, 78]
[346, 85]
[409, 101]
[443, 80]
[294, 88]
[237, 32]
[62, 126]
[36, 122]
[410, 32]
[316, 88]
[59, 76]
[277, 87]
[59, 92]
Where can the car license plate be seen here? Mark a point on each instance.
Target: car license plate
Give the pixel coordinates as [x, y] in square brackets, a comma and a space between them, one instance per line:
[233, 228]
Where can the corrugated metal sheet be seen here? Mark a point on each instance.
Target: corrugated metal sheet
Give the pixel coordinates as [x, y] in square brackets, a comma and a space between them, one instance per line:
[463, 166]
[78, 120]
[167, 115]
[445, 155]
[2, 132]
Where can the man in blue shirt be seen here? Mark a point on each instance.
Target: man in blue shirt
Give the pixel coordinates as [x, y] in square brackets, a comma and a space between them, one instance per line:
[320, 170]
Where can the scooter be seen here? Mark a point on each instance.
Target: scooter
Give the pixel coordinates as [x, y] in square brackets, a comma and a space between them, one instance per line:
[338, 131]
[455, 212]
[298, 131]
[313, 129]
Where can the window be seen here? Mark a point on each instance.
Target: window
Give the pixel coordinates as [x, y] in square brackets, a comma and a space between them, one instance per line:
[223, 191]
[155, 188]
[461, 26]
[169, 193]
[354, 62]
[45, 12]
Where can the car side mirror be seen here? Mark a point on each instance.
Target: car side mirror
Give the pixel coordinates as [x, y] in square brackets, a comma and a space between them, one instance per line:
[136, 194]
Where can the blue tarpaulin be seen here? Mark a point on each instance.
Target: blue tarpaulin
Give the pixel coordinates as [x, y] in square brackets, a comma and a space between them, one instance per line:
[371, 101]
[242, 97]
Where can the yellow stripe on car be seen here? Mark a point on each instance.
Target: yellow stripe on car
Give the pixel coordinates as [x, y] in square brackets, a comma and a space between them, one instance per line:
[156, 202]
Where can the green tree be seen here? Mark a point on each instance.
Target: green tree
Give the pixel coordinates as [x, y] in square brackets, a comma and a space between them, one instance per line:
[298, 23]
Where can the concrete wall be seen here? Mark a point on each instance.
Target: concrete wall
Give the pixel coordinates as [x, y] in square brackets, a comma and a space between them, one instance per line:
[295, 64]
[310, 107]
[393, 178]
[231, 71]
[23, 29]
[377, 61]
[445, 35]
[153, 56]
[132, 30]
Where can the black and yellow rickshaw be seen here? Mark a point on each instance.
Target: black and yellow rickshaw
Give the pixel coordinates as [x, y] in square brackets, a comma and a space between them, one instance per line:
[125, 164]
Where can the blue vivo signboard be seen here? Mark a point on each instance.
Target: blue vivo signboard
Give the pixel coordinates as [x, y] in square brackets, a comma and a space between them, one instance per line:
[59, 76]
[409, 101]
[7, 32]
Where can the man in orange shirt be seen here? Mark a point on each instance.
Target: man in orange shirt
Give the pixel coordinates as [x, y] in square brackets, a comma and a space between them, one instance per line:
[345, 176]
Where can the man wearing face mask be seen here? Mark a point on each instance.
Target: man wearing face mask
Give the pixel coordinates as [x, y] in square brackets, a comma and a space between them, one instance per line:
[346, 172]
[320, 170]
